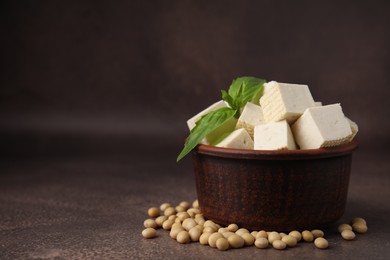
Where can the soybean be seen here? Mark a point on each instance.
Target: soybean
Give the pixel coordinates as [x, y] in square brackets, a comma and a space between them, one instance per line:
[248, 239]
[189, 223]
[180, 209]
[307, 236]
[236, 241]
[343, 227]
[183, 215]
[296, 234]
[150, 223]
[289, 240]
[195, 233]
[321, 243]
[167, 224]
[262, 233]
[185, 204]
[359, 227]
[359, 220]
[348, 234]
[169, 211]
[149, 233]
[174, 232]
[195, 204]
[279, 244]
[177, 225]
[209, 229]
[242, 231]
[160, 220]
[183, 237]
[317, 233]
[164, 206]
[232, 227]
[272, 236]
[154, 212]
[223, 230]
[204, 238]
[261, 242]
[213, 239]
[222, 244]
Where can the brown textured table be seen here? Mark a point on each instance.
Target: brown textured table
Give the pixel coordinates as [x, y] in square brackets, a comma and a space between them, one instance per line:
[89, 202]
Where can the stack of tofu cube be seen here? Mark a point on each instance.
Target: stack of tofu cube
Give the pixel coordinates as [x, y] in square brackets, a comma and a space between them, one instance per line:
[287, 118]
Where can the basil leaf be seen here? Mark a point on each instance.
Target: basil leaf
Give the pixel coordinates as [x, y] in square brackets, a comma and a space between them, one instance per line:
[204, 126]
[246, 89]
[226, 97]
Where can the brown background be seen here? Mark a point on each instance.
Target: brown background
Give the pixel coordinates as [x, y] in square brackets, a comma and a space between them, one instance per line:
[76, 67]
[94, 96]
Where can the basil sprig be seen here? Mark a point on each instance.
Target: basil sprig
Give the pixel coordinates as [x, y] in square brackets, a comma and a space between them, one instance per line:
[241, 91]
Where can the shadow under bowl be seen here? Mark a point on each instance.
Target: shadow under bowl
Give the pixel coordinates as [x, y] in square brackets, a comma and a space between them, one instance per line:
[273, 190]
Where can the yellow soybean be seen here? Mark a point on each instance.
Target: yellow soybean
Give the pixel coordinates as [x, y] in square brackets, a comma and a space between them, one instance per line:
[348, 234]
[248, 238]
[317, 233]
[307, 236]
[213, 239]
[164, 206]
[272, 236]
[343, 227]
[296, 234]
[289, 240]
[232, 227]
[154, 212]
[183, 237]
[261, 242]
[321, 243]
[149, 233]
[150, 223]
[236, 241]
[279, 244]
[222, 244]
[359, 227]
[204, 238]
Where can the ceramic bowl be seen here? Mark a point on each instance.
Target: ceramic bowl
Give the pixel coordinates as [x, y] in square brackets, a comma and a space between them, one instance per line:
[273, 190]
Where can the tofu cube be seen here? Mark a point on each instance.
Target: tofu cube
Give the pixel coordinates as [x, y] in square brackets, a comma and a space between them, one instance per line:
[285, 101]
[239, 139]
[217, 105]
[216, 134]
[323, 126]
[268, 86]
[274, 136]
[251, 116]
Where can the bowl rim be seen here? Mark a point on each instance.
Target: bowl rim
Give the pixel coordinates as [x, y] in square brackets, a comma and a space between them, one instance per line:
[233, 153]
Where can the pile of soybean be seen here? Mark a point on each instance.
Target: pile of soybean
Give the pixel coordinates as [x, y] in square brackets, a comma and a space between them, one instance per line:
[187, 224]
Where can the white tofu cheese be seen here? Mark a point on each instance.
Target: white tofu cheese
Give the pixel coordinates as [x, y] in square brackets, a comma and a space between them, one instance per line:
[323, 126]
[217, 133]
[217, 105]
[238, 139]
[274, 136]
[251, 116]
[285, 101]
[268, 86]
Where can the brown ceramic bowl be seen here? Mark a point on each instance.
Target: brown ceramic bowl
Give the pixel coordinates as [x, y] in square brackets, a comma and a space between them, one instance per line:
[273, 190]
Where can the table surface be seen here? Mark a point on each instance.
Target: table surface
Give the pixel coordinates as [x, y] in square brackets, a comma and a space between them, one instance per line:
[91, 205]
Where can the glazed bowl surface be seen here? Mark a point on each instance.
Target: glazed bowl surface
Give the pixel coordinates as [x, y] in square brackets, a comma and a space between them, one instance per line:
[273, 190]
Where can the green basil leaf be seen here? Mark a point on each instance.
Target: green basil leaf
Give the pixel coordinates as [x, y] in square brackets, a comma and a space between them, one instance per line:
[226, 97]
[204, 126]
[246, 89]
